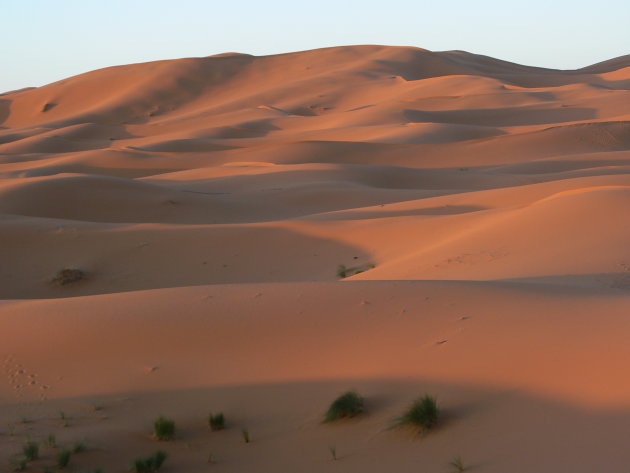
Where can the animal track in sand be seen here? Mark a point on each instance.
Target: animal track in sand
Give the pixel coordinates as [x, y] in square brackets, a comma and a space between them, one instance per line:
[472, 258]
[454, 331]
[23, 382]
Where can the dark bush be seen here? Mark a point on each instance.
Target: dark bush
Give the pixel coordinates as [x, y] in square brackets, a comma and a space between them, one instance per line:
[164, 429]
[216, 421]
[423, 414]
[347, 405]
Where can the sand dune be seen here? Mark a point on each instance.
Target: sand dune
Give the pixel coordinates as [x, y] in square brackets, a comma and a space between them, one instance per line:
[256, 235]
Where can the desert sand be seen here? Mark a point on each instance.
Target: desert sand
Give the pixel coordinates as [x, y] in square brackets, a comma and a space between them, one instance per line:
[257, 235]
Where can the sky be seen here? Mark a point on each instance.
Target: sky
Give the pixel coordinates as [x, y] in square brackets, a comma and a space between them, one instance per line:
[42, 41]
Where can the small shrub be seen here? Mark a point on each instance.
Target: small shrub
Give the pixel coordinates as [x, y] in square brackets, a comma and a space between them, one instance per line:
[164, 429]
[68, 276]
[19, 465]
[457, 464]
[422, 414]
[79, 447]
[149, 464]
[51, 441]
[63, 458]
[64, 418]
[245, 434]
[333, 452]
[344, 272]
[216, 421]
[140, 465]
[347, 405]
[31, 451]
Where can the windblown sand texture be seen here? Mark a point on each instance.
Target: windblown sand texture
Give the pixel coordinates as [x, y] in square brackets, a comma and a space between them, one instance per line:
[481, 209]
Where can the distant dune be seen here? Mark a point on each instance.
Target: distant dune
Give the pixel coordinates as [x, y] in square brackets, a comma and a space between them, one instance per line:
[256, 235]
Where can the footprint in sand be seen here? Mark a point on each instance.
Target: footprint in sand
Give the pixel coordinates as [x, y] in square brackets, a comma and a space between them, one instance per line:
[23, 382]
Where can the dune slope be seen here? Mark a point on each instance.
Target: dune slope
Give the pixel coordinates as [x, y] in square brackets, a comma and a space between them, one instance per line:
[256, 235]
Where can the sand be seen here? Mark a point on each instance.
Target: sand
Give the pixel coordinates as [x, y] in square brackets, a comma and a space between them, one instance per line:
[479, 208]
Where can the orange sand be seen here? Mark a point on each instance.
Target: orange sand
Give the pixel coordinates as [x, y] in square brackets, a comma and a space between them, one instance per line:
[480, 206]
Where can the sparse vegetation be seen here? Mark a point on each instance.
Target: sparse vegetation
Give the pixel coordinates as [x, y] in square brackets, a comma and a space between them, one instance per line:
[149, 464]
[164, 429]
[64, 418]
[333, 452]
[19, 464]
[95, 406]
[216, 421]
[347, 405]
[79, 447]
[51, 441]
[245, 434]
[31, 451]
[63, 458]
[422, 414]
[68, 276]
[457, 464]
[343, 271]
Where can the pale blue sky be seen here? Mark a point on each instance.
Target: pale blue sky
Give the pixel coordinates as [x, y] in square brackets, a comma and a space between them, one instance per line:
[42, 41]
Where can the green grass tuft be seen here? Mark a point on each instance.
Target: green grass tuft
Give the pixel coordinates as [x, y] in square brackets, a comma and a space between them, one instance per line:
[245, 434]
[333, 452]
[149, 464]
[422, 414]
[342, 271]
[19, 464]
[63, 458]
[216, 421]
[164, 429]
[30, 451]
[79, 447]
[457, 464]
[347, 405]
